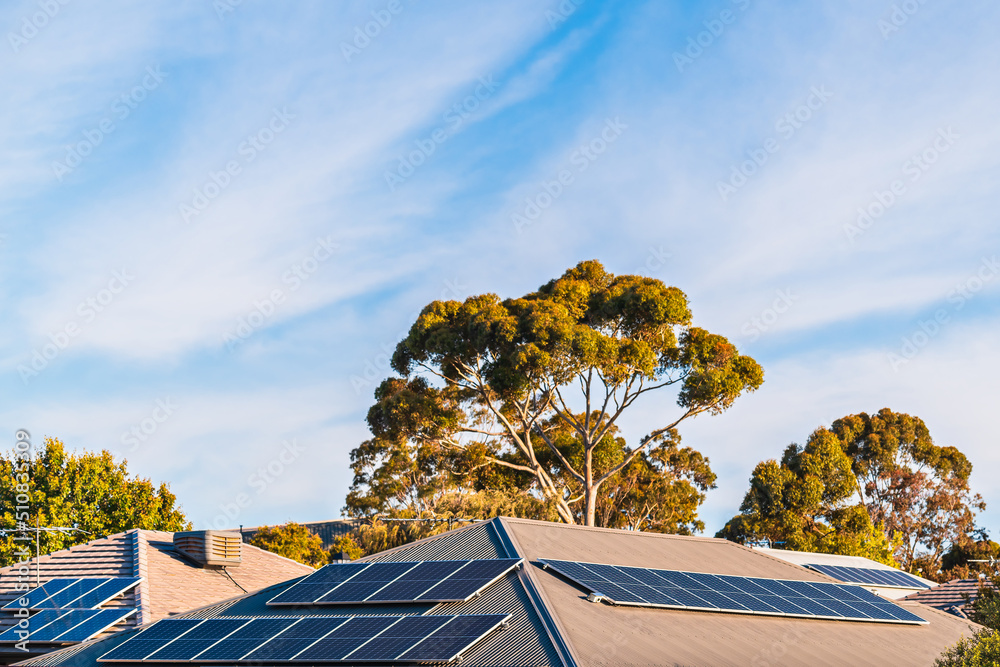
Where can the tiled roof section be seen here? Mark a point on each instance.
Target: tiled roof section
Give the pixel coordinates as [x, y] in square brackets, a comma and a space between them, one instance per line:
[172, 584]
[948, 596]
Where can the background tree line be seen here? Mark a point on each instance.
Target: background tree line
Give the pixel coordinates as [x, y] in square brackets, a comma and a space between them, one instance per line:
[512, 407]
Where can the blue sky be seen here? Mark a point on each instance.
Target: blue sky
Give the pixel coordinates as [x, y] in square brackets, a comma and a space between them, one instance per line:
[221, 216]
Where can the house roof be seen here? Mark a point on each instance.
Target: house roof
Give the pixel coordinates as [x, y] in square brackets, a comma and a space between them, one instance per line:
[950, 597]
[552, 622]
[170, 583]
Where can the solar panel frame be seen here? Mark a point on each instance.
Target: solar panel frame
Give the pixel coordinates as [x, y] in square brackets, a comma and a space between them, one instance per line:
[733, 594]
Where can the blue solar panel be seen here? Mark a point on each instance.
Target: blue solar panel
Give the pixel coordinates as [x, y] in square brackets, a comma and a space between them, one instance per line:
[111, 588]
[196, 640]
[36, 623]
[448, 642]
[101, 620]
[318, 584]
[306, 639]
[717, 592]
[870, 575]
[389, 582]
[295, 639]
[248, 638]
[155, 636]
[347, 638]
[36, 595]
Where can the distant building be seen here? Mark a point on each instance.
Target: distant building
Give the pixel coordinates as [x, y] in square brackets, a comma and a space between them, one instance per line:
[173, 573]
[520, 593]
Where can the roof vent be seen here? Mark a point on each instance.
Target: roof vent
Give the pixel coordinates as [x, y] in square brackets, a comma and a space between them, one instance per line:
[595, 597]
[213, 548]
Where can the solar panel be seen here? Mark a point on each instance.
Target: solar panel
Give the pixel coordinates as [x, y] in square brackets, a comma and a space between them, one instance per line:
[76, 593]
[306, 639]
[453, 638]
[36, 595]
[649, 587]
[62, 624]
[247, 638]
[870, 575]
[150, 639]
[35, 623]
[93, 625]
[296, 639]
[111, 588]
[395, 582]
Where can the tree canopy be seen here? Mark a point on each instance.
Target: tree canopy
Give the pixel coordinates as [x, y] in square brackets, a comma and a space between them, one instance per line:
[870, 485]
[523, 397]
[292, 540]
[88, 491]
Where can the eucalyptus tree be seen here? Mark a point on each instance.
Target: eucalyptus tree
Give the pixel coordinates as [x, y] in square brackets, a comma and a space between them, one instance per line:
[534, 385]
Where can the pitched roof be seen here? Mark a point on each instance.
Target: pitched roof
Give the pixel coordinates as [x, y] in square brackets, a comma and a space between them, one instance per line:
[949, 597]
[552, 622]
[171, 584]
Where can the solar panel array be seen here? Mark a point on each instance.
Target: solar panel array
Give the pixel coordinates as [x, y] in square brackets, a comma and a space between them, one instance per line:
[307, 639]
[646, 587]
[74, 593]
[65, 625]
[870, 575]
[396, 582]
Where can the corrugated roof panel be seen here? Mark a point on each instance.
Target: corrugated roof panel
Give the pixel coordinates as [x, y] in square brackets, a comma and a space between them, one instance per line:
[475, 542]
[524, 643]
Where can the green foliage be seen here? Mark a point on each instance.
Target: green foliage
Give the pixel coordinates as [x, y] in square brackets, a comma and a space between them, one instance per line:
[986, 606]
[980, 650]
[345, 544]
[521, 398]
[874, 486]
[88, 491]
[293, 541]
